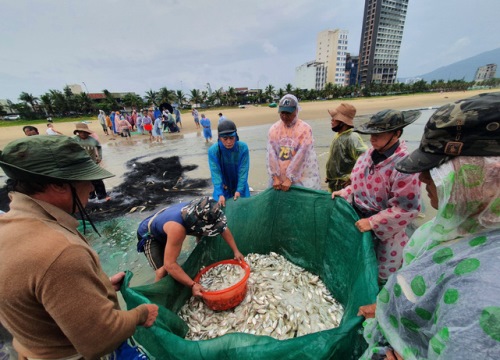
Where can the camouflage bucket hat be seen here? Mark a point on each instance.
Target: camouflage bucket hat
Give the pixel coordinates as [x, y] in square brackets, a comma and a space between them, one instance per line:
[468, 127]
[388, 120]
[204, 217]
[45, 157]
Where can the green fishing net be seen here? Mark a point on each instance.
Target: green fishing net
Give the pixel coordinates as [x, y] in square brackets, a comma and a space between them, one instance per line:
[309, 229]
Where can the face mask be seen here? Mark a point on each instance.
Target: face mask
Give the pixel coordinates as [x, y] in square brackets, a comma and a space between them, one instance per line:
[337, 128]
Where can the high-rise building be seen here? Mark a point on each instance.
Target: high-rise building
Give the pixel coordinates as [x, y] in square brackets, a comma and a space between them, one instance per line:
[311, 76]
[331, 49]
[485, 72]
[351, 69]
[381, 36]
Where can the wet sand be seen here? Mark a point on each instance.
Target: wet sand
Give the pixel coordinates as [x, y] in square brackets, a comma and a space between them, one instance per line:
[259, 115]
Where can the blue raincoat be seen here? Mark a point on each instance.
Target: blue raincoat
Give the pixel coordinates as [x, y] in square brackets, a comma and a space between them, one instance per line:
[229, 169]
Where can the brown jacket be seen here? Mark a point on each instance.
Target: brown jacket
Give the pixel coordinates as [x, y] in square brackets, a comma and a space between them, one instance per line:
[55, 298]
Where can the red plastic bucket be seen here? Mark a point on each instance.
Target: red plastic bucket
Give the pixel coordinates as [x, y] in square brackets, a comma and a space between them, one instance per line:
[230, 297]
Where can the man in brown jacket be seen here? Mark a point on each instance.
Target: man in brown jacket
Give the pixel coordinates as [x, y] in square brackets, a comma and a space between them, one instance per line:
[56, 300]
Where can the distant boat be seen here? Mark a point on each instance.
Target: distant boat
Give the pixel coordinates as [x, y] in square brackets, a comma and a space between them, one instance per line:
[273, 105]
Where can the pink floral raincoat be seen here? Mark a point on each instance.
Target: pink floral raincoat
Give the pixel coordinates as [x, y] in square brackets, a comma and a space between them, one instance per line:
[392, 200]
[291, 154]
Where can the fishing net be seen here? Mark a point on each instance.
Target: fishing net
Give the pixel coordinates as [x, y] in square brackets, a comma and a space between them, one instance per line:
[309, 229]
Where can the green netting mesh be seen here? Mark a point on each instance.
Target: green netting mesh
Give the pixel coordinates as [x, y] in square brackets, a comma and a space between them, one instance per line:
[309, 229]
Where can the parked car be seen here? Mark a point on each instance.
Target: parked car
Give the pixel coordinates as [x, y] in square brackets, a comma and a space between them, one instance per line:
[12, 117]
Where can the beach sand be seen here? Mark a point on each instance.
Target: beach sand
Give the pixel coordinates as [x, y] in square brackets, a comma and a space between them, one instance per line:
[260, 115]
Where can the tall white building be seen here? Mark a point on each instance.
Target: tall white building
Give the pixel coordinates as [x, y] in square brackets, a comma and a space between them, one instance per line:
[311, 76]
[331, 49]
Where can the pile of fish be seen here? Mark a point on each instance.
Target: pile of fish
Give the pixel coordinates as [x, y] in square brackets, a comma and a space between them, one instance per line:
[221, 277]
[283, 301]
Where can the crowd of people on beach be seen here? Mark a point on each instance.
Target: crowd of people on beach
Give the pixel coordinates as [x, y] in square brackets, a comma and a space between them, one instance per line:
[438, 290]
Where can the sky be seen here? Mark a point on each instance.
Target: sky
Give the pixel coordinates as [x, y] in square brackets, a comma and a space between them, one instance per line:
[141, 45]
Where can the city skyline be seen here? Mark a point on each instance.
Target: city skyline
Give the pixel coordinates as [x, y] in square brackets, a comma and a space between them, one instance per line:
[129, 46]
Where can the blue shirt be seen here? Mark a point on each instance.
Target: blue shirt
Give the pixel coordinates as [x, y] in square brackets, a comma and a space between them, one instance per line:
[156, 232]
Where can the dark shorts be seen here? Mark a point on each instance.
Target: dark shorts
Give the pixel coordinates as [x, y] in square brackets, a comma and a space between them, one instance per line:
[154, 251]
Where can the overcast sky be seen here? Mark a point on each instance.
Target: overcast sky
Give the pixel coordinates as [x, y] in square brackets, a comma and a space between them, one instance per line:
[126, 45]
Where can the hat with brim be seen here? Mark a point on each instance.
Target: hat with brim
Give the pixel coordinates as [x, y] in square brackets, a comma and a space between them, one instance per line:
[419, 161]
[44, 158]
[226, 128]
[288, 103]
[82, 127]
[203, 216]
[344, 113]
[467, 127]
[388, 120]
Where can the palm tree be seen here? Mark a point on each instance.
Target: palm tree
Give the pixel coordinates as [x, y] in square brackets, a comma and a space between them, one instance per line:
[152, 97]
[133, 100]
[166, 96]
[259, 96]
[29, 99]
[270, 92]
[289, 88]
[231, 95]
[110, 100]
[180, 97]
[85, 103]
[59, 103]
[47, 104]
[281, 93]
[218, 97]
[196, 96]
[328, 90]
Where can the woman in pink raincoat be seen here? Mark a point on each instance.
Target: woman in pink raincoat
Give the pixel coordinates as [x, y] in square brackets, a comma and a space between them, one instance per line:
[385, 199]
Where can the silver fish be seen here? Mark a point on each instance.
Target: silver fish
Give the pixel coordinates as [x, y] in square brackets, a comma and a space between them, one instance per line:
[283, 301]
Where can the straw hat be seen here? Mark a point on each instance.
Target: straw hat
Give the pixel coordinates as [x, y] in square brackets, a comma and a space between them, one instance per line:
[82, 127]
[344, 112]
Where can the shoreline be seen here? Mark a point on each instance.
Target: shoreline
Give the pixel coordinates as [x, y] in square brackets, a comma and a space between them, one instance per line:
[253, 115]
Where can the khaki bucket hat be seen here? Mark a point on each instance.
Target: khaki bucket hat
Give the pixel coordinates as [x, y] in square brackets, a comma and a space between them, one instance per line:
[82, 127]
[45, 157]
[344, 112]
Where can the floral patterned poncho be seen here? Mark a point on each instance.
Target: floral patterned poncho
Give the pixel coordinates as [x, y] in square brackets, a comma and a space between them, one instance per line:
[291, 154]
[392, 197]
[444, 303]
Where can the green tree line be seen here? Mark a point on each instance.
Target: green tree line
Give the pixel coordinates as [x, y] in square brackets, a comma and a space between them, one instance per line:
[56, 103]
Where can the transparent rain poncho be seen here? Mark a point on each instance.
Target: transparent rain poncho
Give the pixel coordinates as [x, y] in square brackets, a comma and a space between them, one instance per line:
[344, 151]
[291, 154]
[444, 303]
